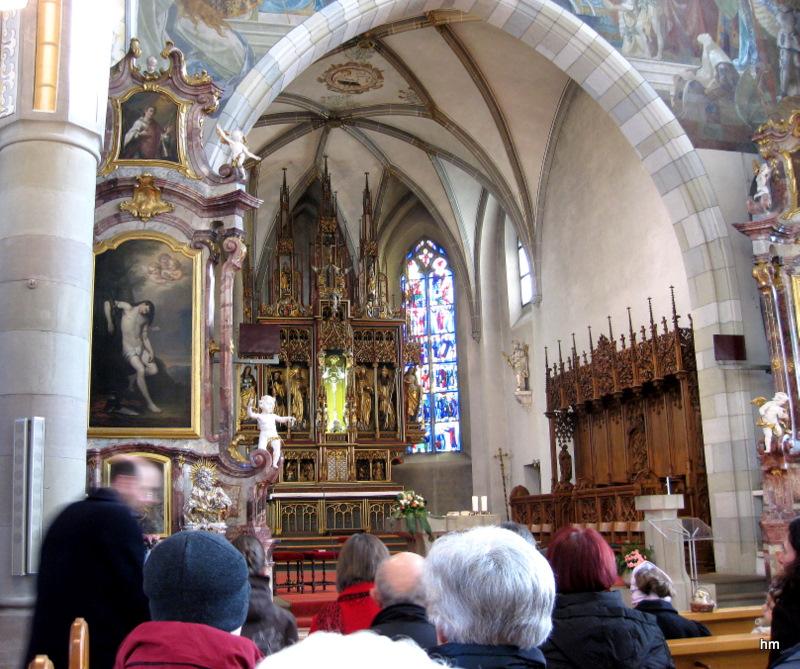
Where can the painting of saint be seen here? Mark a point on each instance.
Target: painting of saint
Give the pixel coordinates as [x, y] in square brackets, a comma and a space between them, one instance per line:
[143, 345]
[149, 123]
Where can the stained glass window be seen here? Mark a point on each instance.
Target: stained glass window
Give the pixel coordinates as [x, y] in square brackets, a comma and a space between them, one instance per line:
[431, 313]
[525, 279]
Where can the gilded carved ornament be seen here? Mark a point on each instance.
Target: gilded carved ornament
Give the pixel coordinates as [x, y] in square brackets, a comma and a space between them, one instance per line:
[146, 201]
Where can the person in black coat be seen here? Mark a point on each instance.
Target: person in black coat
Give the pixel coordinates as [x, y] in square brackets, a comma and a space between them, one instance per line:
[490, 596]
[400, 594]
[786, 613]
[270, 627]
[91, 567]
[651, 592]
[591, 625]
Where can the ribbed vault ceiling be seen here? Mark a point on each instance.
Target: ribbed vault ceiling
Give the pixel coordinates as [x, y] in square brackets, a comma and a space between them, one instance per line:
[441, 110]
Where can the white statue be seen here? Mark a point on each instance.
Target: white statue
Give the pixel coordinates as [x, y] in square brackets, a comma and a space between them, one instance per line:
[716, 71]
[238, 146]
[774, 419]
[518, 361]
[267, 421]
[761, 201]
[152, 64]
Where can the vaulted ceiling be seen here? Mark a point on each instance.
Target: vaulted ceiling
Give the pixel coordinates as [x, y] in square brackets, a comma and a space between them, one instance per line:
[441, 110]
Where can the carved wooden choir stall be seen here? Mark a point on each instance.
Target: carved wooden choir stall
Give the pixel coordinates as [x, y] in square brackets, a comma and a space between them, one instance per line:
[624, 422]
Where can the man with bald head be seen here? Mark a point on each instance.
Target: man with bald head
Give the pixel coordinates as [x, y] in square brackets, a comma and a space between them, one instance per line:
[400, 594]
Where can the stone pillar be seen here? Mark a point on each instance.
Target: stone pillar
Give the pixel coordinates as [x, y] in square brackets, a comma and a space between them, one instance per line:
[48, 165]
[669, 554]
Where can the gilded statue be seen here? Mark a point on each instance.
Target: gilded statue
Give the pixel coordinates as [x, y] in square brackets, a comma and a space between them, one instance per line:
[774, 420]
[208, 504]
[279, 393]
[364, 394]
[248, 391]
[386, 412]
[518, 361]
[298, 389]
[413, 392]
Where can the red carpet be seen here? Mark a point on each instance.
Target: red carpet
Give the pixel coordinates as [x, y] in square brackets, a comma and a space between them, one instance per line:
[306, 604]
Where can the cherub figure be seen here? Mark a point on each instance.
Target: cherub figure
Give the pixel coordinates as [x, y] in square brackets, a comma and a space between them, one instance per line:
[518, 361]
[239, 151]
[773, 418]
[267, 421]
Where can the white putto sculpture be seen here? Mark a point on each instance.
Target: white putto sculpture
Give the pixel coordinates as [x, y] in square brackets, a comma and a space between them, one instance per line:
[267, 421]
[239, 152]
[774, 420]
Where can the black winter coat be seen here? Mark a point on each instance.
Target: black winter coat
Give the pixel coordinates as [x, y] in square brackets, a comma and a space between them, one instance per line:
[672, 623]
[595, 629]
[406, 620]
[270, 627]
[479, 656]
[91, 567]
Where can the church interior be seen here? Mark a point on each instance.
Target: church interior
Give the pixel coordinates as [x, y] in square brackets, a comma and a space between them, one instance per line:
[536, 252]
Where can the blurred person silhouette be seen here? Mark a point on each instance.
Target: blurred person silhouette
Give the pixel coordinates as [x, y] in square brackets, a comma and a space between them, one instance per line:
[400, 594]
[91, 566]
[591, 625]
[270, 627]
[354, 609]
[198, 592]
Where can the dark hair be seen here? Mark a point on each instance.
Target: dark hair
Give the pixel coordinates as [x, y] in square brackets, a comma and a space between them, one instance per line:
[582, 561]
[151, 312]
[518, 528]
[359, 559]
[653, 581]
[123, 467]
[789, 584]
[253, 551]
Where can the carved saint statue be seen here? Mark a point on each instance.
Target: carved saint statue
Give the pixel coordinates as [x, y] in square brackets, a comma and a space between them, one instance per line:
[413, 392]
[247, 391]
[267, 421]
[518, 361]
[565, 463]
[298, 388]
[364, 393]
[774, 420]
[386, 412]
[208, 504]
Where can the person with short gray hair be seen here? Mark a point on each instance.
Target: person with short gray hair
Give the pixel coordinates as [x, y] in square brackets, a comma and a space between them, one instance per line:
[490, 596]
[400, 594]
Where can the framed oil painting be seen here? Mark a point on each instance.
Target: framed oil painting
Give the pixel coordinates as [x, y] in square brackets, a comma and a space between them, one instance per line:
[145, 360]
[149, 129]
[156, 519]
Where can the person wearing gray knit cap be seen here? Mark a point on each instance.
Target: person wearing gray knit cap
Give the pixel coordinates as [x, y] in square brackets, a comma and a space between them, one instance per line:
[198, 592]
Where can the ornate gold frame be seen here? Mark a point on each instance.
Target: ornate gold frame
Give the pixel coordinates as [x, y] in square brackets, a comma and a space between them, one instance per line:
[114, 161]
[165, 466]
[195, 255]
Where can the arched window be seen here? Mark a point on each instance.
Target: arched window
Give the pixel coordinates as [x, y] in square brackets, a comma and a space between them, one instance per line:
[431, 309]
[525, 279]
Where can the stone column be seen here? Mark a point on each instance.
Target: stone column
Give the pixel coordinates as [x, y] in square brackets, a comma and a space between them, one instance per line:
[669, 554]
[48, 165]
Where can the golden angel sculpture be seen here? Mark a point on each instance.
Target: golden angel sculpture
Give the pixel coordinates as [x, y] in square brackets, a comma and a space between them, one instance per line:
[208, 504]
[774, 420]
[518, 361]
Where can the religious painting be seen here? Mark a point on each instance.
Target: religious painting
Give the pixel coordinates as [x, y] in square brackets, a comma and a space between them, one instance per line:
[145, 364]
[156, 519]
[148, 128]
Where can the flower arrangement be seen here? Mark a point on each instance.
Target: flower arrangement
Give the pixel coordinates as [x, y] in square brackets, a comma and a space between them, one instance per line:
[632, 555]
[413, 508]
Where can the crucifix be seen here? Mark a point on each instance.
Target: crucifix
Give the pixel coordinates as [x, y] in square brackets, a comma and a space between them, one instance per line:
[501, 455]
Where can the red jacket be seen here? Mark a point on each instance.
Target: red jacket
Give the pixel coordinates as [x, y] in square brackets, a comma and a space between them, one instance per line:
[352, 611]
[185, 645]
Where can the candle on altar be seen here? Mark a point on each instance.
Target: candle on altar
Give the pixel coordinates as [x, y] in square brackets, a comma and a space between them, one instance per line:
[474, 504]
[668, 488]
[485, 504]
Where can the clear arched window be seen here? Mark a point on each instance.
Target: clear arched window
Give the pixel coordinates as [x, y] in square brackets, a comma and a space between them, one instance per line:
[431, 310]
[525, 279]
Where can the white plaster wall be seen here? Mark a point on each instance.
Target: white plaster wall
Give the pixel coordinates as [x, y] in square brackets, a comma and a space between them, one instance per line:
[607, 243]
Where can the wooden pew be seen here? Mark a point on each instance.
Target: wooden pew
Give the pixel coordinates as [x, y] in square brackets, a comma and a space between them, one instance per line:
[734, 620]
[730, 651]
[78, 649]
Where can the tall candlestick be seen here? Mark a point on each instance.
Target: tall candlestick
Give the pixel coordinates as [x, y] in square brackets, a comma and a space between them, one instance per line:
[474, 504]
[668, 489]
[485, 504]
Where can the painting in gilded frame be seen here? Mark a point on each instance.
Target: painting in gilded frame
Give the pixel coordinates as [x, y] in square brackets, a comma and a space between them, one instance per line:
[149, 129]
[145, 365]
[156, 519]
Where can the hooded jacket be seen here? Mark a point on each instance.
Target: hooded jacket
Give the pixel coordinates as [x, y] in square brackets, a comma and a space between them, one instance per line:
[595, 629]
[270, 627]
[672, 623]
